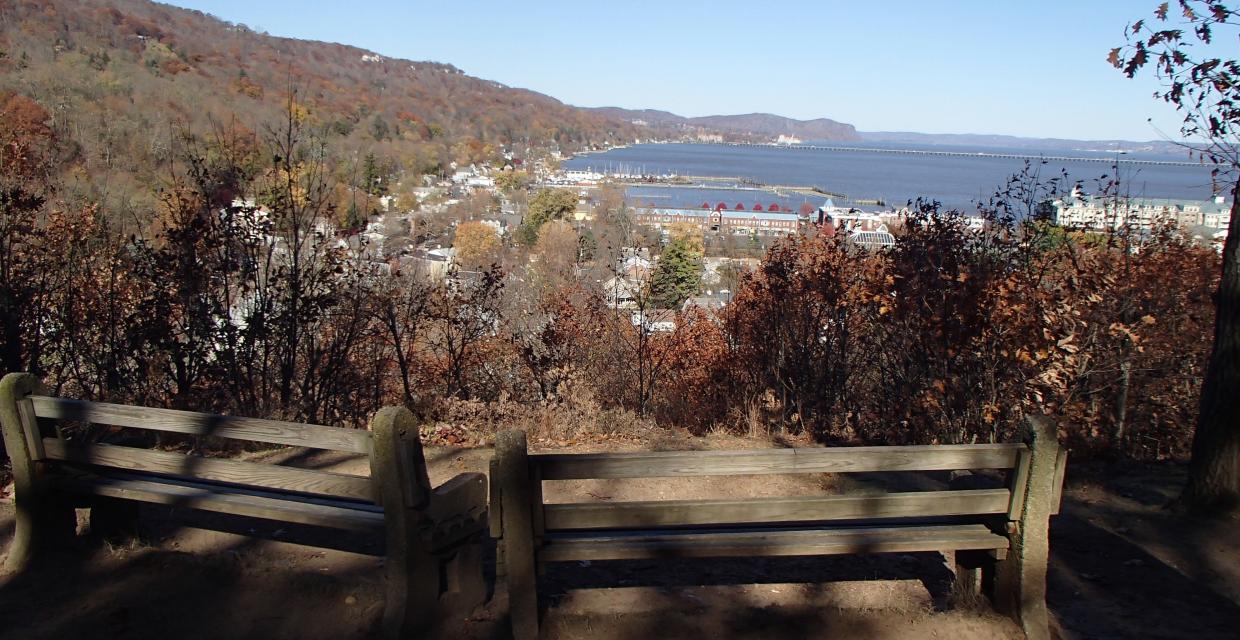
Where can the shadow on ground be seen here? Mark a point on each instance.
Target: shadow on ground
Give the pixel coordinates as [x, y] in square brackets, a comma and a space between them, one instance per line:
[1122, 567]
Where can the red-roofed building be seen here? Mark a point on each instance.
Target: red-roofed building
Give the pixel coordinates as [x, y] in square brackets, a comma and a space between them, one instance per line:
[757, 207]
[723, 220]
[739, 206]
[705, 205]
[774, 207]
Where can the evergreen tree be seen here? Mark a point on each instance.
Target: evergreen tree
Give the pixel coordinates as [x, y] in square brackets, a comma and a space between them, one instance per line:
[379, 128]
[372, 177]
[675, 278]
[587, 246]
[353, 217]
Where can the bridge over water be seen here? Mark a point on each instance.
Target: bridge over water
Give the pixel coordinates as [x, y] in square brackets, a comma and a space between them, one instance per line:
[963, 154]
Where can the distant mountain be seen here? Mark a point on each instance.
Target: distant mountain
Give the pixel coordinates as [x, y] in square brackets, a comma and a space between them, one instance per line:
[773, 125]
[756, 126]
[1017, 142]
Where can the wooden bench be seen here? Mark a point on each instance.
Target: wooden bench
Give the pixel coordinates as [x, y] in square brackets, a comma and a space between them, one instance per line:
[998, 535]
[432, 536]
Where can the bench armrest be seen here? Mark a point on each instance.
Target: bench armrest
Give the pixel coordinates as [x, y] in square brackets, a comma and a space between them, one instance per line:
[463, 496]
[458, 509]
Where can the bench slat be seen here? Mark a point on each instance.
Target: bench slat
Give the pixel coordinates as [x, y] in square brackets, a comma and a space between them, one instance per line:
[204, 424]
[580, 466]
[774, 543]
[227, 500]
[1061, 469]
[629, 515]
[269, 476]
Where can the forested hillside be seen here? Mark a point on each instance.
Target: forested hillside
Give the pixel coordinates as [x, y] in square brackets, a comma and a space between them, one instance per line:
[122, 76]
[762, 127]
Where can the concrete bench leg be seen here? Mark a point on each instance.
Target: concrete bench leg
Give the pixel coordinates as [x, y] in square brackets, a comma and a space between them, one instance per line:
[974, 577]
[398, 470]
[1020, 580]
[519, 565]
[45, 521]
[467, 587]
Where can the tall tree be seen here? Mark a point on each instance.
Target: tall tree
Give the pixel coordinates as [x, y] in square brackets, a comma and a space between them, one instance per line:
[27, 152]
[374, 176]
[1206, 90]
[546, 205]
[676, 277]
[464, 317]
[558, 250]
[477, 245]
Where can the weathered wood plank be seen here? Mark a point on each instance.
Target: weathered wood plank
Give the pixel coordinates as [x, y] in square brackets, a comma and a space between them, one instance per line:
[462, 498]
[1017, 480]
[580, 466]
[71, 472]
[494, 501]
[204, 424]
[536, 498]
[635, 515]
[216, 469]
[1061, 469]
[777, 543]
[223, 500]
[30, 425]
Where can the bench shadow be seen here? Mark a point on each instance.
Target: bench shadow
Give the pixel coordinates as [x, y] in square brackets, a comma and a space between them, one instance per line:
[740, 613]
[816, 572]
[167, 521]
[141, 593]
[141, 588]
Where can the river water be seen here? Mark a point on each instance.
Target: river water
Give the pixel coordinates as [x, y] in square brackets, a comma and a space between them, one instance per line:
[957, 181]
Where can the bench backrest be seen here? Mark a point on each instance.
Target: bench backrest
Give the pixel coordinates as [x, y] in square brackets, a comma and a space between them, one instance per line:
[1013, 459]
[47, 445]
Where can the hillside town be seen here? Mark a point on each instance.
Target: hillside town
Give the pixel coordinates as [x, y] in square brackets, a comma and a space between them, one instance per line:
[730, 236]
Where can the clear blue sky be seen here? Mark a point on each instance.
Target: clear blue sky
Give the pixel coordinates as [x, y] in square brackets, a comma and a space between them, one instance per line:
[1030, 68]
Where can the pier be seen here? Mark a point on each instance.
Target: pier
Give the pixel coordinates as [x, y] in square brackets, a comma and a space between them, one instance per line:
[734, 184]
[961, 154]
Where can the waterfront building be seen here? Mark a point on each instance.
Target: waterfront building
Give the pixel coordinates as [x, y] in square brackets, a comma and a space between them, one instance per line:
[721, 219]
[1106, 213]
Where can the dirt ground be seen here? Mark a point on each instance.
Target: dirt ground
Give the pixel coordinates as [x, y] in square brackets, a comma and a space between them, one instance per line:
[1121, 567]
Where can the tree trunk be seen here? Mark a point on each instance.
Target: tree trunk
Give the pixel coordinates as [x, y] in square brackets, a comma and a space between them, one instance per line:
[1121, 402]
[1214, 474]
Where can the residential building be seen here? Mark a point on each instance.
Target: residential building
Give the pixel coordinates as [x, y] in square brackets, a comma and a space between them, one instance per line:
[621, 292]
[721, 219]
[1102, 213]
[654, 320]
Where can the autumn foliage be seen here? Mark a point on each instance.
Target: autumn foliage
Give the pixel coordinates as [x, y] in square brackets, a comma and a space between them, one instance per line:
[234, 299]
